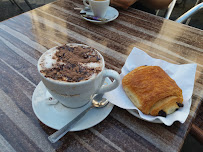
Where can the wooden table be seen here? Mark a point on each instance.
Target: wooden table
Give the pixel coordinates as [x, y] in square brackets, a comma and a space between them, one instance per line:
[25, 37]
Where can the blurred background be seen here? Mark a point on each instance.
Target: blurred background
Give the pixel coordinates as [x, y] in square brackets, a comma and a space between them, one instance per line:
[8, 9]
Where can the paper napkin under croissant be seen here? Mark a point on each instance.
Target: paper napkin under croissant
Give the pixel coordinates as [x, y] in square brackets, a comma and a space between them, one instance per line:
[184, 76]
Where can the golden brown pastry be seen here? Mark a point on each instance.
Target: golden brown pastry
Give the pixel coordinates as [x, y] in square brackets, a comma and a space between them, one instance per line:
[152, 91]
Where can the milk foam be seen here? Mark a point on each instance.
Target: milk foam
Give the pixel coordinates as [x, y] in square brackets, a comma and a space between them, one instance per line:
[47, 61]
[91, 65]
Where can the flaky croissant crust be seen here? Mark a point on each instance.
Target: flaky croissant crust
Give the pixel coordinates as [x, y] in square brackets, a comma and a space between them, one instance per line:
[152, 91]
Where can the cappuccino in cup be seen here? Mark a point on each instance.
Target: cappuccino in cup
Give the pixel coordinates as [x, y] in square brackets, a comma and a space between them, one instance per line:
[71, 63]
[72, 73]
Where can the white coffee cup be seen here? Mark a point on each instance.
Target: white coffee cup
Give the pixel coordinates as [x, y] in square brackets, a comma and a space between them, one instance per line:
[98, 7]
[77, 94]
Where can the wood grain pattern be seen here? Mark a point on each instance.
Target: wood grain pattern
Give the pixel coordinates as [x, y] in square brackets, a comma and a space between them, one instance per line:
[25, 37]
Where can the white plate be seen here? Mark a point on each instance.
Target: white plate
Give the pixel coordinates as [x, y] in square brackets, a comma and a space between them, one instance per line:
[135, 113]
[56, 115]
[111, 15]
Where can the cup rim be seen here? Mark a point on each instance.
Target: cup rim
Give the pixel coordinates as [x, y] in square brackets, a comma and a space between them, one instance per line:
[65, 82]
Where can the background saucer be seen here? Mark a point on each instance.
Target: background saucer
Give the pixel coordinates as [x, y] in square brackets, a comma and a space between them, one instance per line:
[111, 14]
[57, 115]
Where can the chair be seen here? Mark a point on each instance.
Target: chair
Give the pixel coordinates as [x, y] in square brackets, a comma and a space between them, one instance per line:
[171, 7]
[26, 1]
[169, 10]
[189, 13]
[188, 20]
[14, 2]
[197, 126]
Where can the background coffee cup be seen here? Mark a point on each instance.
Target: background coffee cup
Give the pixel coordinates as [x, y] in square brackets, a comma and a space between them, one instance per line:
[77, 94]
[98, 7]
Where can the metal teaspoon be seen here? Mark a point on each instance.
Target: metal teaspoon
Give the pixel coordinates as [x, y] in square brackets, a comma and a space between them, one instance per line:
[97, 102]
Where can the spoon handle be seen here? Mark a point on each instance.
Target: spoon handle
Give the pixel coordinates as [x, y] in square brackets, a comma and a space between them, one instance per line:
[60, 133]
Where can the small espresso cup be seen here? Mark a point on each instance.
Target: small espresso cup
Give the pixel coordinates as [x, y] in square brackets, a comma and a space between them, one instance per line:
[77, 94]
[98, 7]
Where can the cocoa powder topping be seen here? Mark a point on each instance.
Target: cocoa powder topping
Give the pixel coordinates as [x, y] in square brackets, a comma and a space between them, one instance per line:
[71, 61]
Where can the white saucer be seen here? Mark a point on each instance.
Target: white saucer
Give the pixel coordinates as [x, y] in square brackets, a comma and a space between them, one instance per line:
[111, 15]
[136, 114]
[55, 115]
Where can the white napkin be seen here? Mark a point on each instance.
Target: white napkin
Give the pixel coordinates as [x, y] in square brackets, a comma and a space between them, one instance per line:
[184, 75]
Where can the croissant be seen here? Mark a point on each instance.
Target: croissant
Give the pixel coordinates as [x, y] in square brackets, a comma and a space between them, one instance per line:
[152, 91]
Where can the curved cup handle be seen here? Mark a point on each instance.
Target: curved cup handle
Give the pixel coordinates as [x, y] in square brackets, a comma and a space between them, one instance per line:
[85, 3]
[112, 74]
